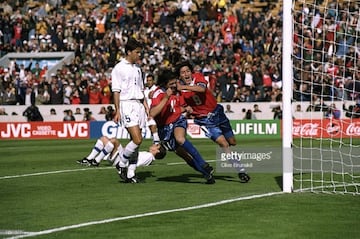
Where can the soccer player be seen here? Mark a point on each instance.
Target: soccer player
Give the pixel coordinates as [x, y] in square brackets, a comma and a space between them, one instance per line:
[149, 91]
[207, 113]
[130, 107]
[110, 148]
[167, 110]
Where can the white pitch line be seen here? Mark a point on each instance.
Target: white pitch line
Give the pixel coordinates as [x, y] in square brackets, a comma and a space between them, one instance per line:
[59, 229]
[49, 172]
[12, 232]
[75, 170]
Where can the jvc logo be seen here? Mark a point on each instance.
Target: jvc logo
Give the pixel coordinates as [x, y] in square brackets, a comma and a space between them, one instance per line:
[17, 130]
[44, 130]
[72, 130]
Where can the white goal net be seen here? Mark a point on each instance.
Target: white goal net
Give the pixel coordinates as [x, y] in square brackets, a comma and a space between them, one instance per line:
[326, 96]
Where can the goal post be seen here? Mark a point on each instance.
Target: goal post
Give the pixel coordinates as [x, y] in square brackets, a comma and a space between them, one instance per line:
[287, 98]
[321, 96]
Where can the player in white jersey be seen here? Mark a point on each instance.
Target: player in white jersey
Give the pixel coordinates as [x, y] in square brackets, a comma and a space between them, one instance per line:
[149, 90]
[109, 149]
[131, 109]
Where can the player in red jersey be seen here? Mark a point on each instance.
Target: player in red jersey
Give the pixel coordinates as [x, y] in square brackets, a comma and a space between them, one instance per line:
[207, 113]
[167, 109]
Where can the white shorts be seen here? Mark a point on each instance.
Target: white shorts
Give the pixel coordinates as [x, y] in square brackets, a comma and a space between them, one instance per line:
[132, 113]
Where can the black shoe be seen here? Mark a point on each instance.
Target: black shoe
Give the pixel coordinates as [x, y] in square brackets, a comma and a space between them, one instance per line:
[122, 172]
[244, 177]
[93, 163]
[133, 180]
[210, 171]
[210, 180]
[84, 161]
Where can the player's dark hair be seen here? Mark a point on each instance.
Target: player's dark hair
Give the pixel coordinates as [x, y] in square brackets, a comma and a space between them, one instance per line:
[182, 64]
[161, 154]
[164, 77]
[132, 44]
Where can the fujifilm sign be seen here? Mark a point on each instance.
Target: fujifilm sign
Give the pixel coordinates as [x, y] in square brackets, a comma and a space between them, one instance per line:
[256, 128]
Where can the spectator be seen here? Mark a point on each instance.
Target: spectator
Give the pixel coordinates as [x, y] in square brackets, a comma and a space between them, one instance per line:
[110, 113]
[32, 113]
[88, 115]
[228, 109]
[277, 112]
[249, 115]
[56, 94]
[256, 109]
[78, 111]
[102, 111]
[75, 97]
[332, 112]
[68, 115]
[3, 111]
[52, 111]
[9, 97]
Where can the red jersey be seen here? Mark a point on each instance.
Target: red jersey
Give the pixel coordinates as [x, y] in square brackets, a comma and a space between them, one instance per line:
[172, 109]
[202, 103]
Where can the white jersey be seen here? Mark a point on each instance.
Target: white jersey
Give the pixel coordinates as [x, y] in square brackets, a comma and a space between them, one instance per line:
[127, 79]
[147, 92]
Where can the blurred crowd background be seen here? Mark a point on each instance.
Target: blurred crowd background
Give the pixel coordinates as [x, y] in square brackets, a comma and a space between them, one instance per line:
[235, 44]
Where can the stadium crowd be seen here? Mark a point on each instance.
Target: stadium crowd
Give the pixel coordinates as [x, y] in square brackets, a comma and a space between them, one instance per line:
[238, 50]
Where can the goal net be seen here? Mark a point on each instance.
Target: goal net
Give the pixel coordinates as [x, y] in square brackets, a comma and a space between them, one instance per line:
[326, 96]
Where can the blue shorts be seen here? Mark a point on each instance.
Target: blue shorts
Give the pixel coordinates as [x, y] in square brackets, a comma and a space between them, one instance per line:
[216, 124]
[166, 133]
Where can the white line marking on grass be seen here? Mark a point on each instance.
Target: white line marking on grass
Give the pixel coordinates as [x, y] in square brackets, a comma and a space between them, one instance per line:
[49, 231]
[12, 232]
[74, 170]
[49, 172]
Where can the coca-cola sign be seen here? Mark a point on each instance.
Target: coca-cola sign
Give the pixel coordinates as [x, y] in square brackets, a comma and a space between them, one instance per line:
[353, 129]
[333, 128]
[326, 128]
[306, 129]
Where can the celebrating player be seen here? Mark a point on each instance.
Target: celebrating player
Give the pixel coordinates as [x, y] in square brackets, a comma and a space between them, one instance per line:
[167, 110]
[207, 113]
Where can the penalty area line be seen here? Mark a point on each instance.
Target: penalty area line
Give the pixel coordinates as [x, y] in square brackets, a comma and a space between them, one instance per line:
[213, 204]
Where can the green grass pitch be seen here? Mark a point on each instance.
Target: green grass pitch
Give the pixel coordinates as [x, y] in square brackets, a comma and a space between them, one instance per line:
[45, 192]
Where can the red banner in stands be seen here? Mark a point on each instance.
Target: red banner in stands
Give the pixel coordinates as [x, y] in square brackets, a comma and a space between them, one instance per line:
[44, 130]
[327, 128]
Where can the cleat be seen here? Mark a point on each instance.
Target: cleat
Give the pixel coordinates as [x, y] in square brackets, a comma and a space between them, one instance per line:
[209, 177]
[84, 161]
[122, 172]
[244, 177]
[208, 169]
[210, 180]
[93, 163]
[132, 180]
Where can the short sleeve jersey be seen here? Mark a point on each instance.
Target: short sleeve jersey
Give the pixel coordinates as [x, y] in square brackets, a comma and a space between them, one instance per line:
[127, 78]
[202, 103]
[172, 109]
